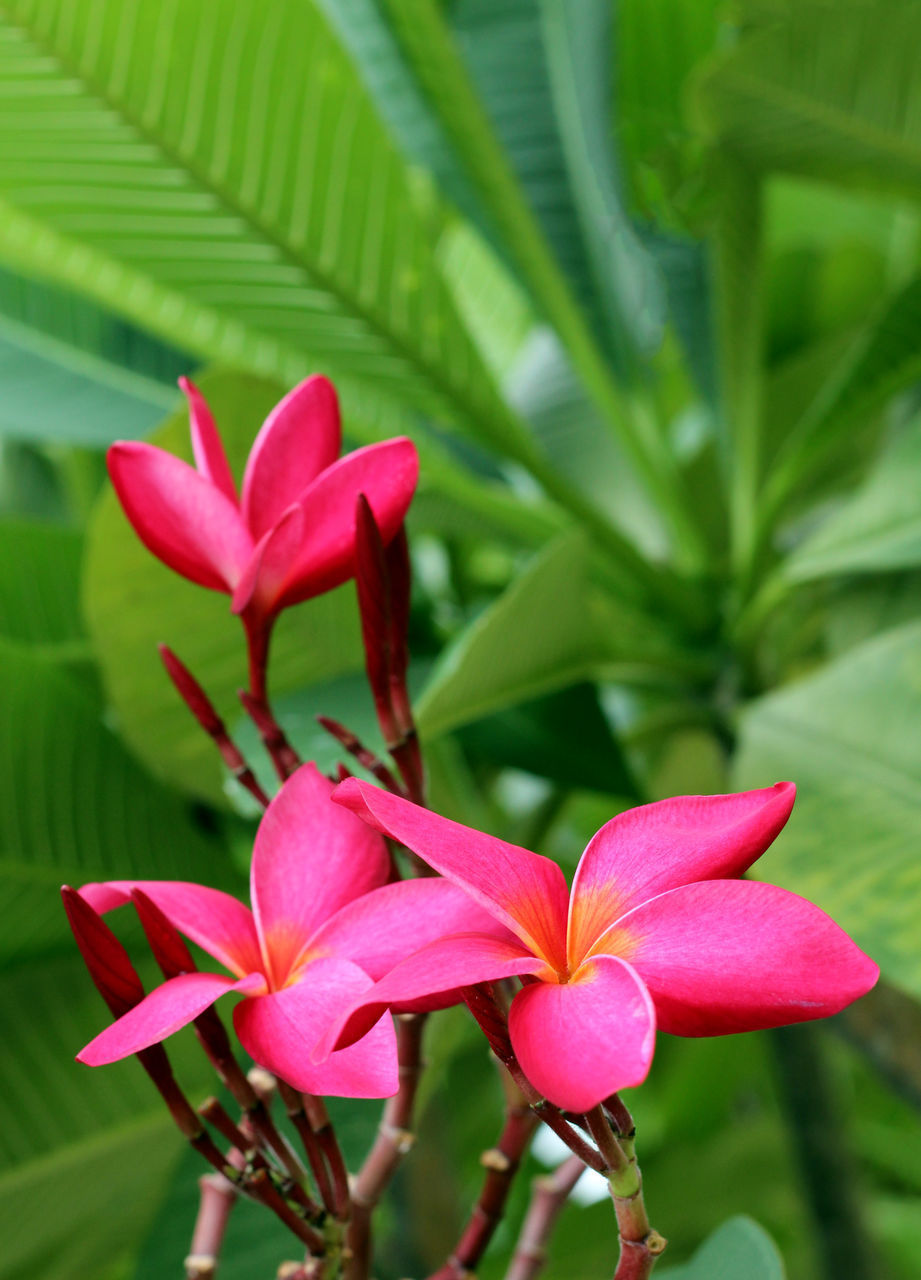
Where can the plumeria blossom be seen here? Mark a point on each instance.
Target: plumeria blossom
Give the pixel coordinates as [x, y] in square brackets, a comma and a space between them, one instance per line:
[658, 929]
[325, 923]
[290, 534]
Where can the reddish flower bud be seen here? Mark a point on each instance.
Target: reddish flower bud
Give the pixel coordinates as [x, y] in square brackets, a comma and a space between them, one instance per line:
[106, 959]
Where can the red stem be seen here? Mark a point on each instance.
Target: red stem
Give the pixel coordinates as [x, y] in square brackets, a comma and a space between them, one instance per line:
[256, 703]
[501, 1163]
[202, 708]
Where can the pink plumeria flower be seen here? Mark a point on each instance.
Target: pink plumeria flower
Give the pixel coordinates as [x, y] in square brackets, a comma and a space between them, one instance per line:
[656, 930]
[291, 533]
[325, 923]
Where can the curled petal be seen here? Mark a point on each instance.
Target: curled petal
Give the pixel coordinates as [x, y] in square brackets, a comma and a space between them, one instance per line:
[311, 857]
[300, 438]
[655, 847]
[179, 515]
[167, 1008]
[736, 955]
[526, 892]
[382, 928]
[280, 1031]
[442, 966]
[218, 923]
[386, 473]
[207, 447]
[580, 1041]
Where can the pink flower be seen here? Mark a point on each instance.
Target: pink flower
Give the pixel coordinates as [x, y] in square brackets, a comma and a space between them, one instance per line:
[657, 929]
[325, 923]
[291, 534]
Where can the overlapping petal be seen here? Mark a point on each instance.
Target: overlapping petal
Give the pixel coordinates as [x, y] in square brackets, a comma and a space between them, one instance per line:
[215, 921]
[280, 1031]
[386, 473]
[383, 927]
[300, 438]
[656, 847]
[459, 961]
[311, 857]
[737, 955]
[207, 446]
[580, 1041]
[262, 580]
[523, 890]
[179, 515]
[168, 1007]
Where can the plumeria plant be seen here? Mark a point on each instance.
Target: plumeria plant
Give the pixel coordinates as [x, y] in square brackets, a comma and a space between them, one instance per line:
[371, 913]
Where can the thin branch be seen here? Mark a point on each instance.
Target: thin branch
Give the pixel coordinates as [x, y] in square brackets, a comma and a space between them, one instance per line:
[283, 756]
[548, 1196]
[217, 1199]
[640, 1245]
[202, 708]
[355, 747]
[501, 1163]
[394, 1139]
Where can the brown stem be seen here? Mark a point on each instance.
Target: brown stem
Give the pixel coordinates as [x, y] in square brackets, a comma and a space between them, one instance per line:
[294, 1105]
[501, 1163]
[264, 1189]
[356, 748]
[202, 708]
[550, 1192]
[394, 1139]
[322, 1126]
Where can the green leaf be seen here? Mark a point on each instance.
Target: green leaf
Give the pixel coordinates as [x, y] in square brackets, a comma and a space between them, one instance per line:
[879, 362]
[849, 737]
[562, 736]
[274, 228]
[74, 373]
[878, 529]
[739, 1250]
[658, 46]
[74, 806]
[538, 636]
[84, 1155]
[580, 60]
[39, 586]
[133, 602]
[831, 92]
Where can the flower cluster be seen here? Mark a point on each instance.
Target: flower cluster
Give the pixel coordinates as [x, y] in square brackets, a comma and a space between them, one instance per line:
[659, 930]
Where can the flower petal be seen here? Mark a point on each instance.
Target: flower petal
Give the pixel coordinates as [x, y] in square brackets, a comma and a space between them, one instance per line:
[383, 927]
[262, 580]
[736, 955]
[280, 1031]
[167, 1008]
[179, 515]
[207, 446]
[218, 923]
[580, 1041]
[386, 473]
[300, 438]
[442, 966]
[648, 850]
[522, 889]
[311, 857]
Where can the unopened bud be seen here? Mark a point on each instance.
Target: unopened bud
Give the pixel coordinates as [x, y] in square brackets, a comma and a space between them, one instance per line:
[106, 959]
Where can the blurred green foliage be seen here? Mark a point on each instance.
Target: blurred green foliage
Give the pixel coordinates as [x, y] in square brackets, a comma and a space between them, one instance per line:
[643, 282]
